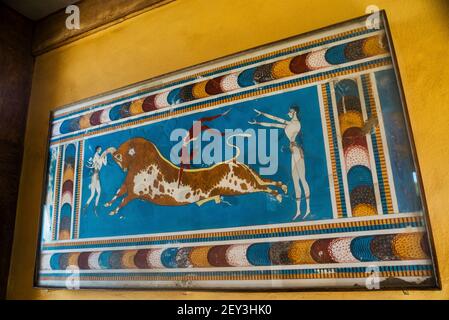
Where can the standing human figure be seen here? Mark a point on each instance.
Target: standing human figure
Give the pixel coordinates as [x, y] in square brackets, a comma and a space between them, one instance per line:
[96, 163]
[291, 129]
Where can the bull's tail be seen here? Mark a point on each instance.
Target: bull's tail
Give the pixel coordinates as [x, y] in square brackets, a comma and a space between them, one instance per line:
[246, 135]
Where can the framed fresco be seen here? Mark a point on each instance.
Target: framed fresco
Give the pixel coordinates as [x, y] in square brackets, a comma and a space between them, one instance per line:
[288, 166]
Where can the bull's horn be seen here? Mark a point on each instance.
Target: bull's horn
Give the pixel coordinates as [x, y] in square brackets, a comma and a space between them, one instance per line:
[110, 150]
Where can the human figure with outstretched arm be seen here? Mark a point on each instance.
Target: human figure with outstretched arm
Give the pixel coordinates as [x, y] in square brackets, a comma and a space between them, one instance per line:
[96, 163]
[292, 128]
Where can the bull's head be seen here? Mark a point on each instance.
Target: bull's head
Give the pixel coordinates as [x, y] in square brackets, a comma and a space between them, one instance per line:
[126, 154]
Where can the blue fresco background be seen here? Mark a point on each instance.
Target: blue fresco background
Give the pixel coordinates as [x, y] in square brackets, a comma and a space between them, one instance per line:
[404, 171]
[139, 217]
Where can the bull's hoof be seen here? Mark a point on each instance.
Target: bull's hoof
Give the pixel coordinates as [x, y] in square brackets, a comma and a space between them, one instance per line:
[279, 198]
[113, 212]
[284, 188]
[107, 204]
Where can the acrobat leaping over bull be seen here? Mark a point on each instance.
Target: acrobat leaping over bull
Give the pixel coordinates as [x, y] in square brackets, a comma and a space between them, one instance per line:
[153, 178]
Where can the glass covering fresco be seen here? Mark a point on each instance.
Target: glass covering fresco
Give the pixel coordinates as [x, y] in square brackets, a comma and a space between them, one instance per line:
[286, 166]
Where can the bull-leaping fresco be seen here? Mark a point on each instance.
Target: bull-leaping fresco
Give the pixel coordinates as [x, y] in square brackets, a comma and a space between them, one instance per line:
[152, 177]
[286, 166]
[292, 128]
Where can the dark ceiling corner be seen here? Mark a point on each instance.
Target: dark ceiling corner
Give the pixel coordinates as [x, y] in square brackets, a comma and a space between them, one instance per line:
[37, 9]
[95, 15]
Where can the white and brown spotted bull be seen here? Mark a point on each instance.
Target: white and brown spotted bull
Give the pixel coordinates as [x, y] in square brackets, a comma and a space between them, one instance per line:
[153, 178]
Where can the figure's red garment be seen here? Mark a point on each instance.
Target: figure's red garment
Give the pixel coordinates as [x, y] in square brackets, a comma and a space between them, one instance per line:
[185, 159]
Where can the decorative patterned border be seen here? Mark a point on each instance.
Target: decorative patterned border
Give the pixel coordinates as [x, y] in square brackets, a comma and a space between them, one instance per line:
[333, 149]
[235, 65]
[402, 246]
[56, 195]
[402, 220]
[411, 270]
[259, 91]
[381, 166]
[78, 190]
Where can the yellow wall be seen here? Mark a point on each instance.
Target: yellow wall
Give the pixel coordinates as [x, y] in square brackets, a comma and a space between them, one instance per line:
[188, 32]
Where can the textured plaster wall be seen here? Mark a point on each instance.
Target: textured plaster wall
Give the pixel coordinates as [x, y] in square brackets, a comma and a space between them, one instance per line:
[188, 32]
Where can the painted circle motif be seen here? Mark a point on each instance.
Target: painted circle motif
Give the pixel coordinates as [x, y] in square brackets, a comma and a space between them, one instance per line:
[93, 261]
[263, 73]
[104, 117]
[354, 51]
[66, 198]
[198, 257]
[56, 129]
[141, 259]
[354, 137]
[64, 234]
[258, 254]
[186, 93]
[183, 258]
[168, 258]
[84, 121]
[174, 96]
[281, 69]
[136, 107]
[299, 252]
[382, 247]
[279, 253]
[356, 156]
[298, 64]
[69, 125]
[128, 259]
[67, 185]
[217, 256]
[348, 103]
[362, 194]
[236, 255]
[83, 260]
[230, 82]
[154, 258]
[45, 262]
[104, 261]
[115, 260]
[407, 246]
[336, 55]
[361, 249]
[213, 86]
[340, 250]
[359, 176]
[246, 78]
[347, 87]
[124, 110]
[72, 260]
[95, 118]
[350, 119]
[160, 100]
[68, 174]
[149, 104]
[374, 46]
[317, 60]
[64, 261]
[54, 261]
[320, 251]
[115, 112]
[363, 209]
[199, 90]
